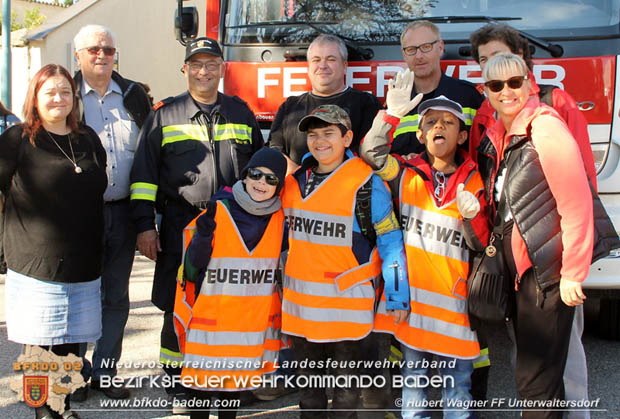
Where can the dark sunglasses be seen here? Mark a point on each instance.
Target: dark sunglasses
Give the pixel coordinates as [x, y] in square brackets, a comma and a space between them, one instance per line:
[270, 178]
[108, 51]
[498, 85]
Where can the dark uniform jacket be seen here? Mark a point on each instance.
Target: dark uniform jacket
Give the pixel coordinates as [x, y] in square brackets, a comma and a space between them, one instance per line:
[460, 91]
[184, 156]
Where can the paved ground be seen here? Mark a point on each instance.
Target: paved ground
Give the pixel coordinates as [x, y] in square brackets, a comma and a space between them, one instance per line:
[142, 345]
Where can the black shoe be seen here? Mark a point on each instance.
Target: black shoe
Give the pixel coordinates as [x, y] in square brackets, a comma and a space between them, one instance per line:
[111, 392]
[80, 395]
[70, 414]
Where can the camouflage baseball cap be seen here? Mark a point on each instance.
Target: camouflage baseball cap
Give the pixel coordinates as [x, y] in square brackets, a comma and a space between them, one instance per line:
[331, 114]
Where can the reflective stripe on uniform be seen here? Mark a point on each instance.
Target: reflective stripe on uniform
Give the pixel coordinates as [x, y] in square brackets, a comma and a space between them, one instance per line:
[143, 190]
[241, 133]
[408, 123]
[434, 232]
[185, 132]
[483, 359]
[454, 304]
[225, 338]
[223, 274]
[469, 113]
[167, 356]
[437, 326]
[326, 315]
[319, 228]
[218, 363]
[395, 354]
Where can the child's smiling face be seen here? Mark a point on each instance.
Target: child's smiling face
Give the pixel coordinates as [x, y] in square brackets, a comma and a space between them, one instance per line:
[258, 189]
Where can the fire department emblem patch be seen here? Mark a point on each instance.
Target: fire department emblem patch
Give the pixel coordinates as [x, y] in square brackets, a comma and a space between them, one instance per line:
[35, 390]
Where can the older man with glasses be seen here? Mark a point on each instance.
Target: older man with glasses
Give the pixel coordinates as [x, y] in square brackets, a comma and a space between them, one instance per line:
[115, 108]
[194, 144]
[422, 49]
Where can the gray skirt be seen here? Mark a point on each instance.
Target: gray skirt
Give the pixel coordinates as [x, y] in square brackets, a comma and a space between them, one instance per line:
[52, 313]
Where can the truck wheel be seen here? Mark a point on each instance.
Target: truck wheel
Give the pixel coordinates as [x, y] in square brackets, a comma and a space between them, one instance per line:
[609, 319]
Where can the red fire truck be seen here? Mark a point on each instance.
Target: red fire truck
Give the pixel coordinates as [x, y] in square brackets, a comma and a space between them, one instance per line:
[576, 46]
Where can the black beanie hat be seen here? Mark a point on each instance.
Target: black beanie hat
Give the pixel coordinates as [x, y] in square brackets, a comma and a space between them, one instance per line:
[271, 159]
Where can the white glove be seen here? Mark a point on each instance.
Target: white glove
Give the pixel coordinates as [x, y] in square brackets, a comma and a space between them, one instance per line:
[398, 99]
[466, 202]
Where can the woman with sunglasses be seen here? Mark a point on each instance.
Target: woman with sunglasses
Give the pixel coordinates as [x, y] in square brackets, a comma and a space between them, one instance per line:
[227, 314]
[52, 173]
[537, 185]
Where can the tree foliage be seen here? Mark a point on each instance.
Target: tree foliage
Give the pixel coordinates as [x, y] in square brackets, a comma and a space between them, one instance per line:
[33, 18]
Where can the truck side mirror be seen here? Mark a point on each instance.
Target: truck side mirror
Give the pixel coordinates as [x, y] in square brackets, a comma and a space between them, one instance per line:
[186, 26]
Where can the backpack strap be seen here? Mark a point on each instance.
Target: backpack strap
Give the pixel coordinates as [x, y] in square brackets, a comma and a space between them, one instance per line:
[363, 212]
[546, 94]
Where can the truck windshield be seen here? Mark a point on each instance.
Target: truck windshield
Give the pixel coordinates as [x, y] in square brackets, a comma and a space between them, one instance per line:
[381, 21]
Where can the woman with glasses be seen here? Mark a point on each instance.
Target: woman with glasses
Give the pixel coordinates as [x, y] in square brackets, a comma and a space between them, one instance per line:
[227, 314]
[537, 185]
[52, 173]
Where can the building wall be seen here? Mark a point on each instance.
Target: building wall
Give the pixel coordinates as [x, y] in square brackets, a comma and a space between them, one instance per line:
[25, 62]
[145, 40]
[147, 48]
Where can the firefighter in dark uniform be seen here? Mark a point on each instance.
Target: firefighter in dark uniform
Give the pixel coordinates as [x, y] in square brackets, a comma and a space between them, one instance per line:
[192, 145]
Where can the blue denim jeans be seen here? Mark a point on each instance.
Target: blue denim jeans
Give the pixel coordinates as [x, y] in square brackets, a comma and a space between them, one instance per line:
[457, 388]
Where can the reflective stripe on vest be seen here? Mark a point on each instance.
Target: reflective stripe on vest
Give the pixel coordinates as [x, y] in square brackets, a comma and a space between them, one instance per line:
[328, 295]
[438, 321]
[143, 190]
[234, 325]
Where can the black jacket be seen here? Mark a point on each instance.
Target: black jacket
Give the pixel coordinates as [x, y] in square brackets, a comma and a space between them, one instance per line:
[185, 155]
[135, 99]
[53, 219]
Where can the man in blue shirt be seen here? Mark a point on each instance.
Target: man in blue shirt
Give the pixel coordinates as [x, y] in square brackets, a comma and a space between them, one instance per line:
[115, 108]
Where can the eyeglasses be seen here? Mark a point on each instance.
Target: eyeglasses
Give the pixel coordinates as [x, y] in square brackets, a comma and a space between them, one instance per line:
[497, 86]
[256, 174]
[196, 66]
[425, 48]
[107, 51]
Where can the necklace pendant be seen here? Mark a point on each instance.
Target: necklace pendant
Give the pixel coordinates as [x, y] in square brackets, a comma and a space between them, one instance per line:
[78, 169]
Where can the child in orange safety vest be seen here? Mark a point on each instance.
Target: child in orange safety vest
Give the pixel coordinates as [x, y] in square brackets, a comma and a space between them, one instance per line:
[227, 309]
[441, 205]
[337, 252]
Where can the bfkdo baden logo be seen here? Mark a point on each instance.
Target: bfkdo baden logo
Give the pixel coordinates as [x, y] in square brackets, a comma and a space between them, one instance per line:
[44, 378]
[35, 390]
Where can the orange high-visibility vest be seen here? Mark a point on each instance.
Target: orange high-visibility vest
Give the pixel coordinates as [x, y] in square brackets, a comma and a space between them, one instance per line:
[438, 264]
[232, 330]
[328, 296]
